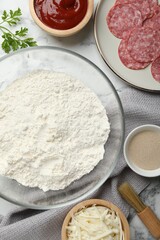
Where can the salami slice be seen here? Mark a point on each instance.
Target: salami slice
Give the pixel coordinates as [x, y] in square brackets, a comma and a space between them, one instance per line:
[126, 58]
[154, 21]
[153, 6]
[142, 5]
[122, 18]
[144, 44]
[155, 69]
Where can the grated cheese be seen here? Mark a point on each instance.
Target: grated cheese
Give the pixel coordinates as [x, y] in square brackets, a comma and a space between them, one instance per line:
[95, 223]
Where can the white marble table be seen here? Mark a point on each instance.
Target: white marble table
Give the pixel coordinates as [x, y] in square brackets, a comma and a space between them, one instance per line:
[84, 44]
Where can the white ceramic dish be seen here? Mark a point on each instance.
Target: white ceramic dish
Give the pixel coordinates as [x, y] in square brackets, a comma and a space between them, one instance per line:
[108, 47]
[135, 168]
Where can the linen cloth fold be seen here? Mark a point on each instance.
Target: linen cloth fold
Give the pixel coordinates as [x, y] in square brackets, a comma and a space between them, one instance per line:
[27, 224]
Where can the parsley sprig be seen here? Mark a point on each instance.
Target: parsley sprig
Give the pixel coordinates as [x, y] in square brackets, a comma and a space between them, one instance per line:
[17, 39]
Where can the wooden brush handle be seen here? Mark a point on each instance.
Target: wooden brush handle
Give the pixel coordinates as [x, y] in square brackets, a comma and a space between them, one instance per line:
[151, 221]
[145, 213]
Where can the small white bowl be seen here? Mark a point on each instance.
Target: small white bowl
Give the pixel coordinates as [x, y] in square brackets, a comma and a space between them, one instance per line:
[135, 168]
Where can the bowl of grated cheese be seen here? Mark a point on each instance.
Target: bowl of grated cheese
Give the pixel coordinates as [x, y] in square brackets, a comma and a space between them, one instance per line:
[95, 219]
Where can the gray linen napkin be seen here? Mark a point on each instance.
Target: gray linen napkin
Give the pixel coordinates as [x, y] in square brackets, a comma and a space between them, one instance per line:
[26, 224]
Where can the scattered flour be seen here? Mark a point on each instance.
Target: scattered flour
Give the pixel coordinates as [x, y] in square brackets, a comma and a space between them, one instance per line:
[52, 130]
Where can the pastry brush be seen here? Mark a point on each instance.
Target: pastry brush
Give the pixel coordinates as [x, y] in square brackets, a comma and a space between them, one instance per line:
[144, 212]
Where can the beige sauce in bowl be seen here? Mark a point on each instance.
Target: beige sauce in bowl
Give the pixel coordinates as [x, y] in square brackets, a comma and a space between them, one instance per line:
[144, 149]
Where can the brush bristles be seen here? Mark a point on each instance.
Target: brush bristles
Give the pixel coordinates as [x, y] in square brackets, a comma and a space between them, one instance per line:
[131, 197]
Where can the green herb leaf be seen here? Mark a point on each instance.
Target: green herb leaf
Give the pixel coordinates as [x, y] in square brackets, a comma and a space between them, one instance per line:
[14, 45]
[22, 32]
[13, 17]
[14, 41]
[16, 13]
[6, 46]
[4, 15]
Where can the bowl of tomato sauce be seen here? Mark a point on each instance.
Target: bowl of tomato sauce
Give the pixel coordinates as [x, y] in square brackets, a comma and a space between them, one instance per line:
[61, 18]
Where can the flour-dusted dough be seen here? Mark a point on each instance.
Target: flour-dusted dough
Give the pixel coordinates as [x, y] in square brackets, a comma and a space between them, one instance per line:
[52, 130]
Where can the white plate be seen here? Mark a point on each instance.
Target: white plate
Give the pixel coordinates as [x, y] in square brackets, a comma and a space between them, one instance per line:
[108, 47]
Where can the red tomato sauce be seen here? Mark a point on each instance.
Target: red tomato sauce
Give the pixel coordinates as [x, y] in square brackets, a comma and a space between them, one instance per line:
[61, 14]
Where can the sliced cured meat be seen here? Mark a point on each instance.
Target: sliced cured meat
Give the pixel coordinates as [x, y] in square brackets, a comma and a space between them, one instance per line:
[154, 21]
[144, 44]
[122, 18]
[153, 5]
[142, 5]
[155, 69]
[126, 58]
